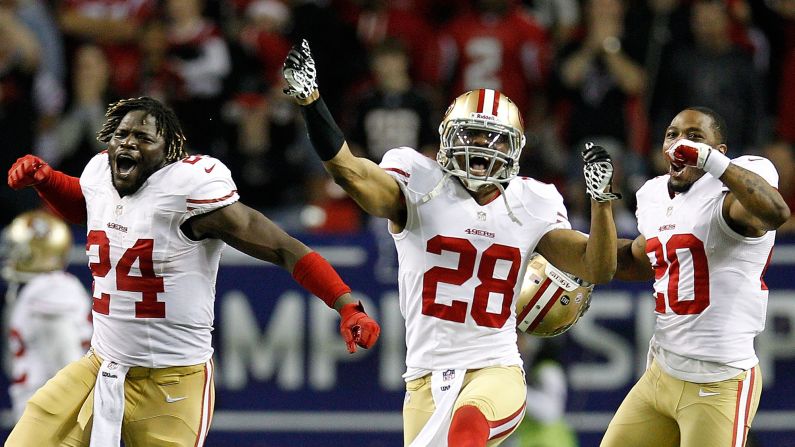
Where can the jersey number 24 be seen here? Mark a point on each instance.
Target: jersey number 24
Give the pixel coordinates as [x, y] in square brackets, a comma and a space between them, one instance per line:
[148, 284]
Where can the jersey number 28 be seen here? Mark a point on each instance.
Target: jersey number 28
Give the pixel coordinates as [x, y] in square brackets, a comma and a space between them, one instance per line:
[457, 309]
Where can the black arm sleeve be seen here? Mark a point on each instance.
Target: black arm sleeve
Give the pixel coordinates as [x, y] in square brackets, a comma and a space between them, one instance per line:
[325, 135]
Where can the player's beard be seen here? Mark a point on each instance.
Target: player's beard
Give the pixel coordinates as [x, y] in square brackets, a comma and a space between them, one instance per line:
[679, 188]
[141, 177]
[686, 181]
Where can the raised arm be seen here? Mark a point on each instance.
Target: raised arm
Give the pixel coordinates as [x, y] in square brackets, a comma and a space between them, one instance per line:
[376, 192]
[753, 206]
[592, 258]
[255, 235]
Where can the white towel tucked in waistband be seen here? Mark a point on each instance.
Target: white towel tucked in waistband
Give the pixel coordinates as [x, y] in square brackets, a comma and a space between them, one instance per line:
[445, 386]
[108, 405]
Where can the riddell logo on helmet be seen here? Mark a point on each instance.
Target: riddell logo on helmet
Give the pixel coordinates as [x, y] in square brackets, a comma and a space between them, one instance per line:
[483, 116]
[561, 280]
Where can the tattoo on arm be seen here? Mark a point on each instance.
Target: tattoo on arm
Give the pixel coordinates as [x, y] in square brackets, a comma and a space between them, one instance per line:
[757, 206]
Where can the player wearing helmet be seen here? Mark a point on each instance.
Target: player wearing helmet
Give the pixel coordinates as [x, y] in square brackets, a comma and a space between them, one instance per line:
[49, 311]
[464, 227]
[157, 222]
[707, 230]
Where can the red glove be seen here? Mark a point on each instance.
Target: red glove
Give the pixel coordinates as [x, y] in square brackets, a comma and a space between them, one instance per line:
[61, 193]
[689, 153]
[28, 171]
[699, 155]
[357, 328]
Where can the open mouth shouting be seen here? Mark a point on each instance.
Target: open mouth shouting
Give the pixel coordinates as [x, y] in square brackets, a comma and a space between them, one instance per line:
[125, 165]
[676, 169]
[478, 165]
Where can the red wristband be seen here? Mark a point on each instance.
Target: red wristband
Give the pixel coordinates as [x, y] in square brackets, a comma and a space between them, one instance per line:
[316, 275]
[62, 195]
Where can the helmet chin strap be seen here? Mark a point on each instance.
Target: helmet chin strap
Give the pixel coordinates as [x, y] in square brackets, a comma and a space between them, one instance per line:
[475, 185]
[436, 189]
[507, 206]
[470, 184]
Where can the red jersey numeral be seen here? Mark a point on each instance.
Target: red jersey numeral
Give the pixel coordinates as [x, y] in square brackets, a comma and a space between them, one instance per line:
[148, 283]
[192, 159]
[457, 309]
[666, 259]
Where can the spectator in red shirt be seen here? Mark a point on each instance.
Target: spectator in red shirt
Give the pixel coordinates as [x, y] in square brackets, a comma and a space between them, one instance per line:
[199, 60]
[115, 25]
[263, 35]
[376, 21]
[498, 45]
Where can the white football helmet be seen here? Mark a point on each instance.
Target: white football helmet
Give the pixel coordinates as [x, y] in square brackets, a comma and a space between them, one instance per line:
[34, 242]
[482, 136]
[551, 300]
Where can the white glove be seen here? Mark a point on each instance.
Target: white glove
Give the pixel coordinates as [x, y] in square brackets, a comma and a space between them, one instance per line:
[598, 170]
[299, 71]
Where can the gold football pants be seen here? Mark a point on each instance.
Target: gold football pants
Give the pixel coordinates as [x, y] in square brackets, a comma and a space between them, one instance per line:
[662, 411]
[499, 392]
[163, 407]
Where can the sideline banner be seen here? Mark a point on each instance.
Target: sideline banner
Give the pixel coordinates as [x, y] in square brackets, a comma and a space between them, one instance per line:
[284, 377]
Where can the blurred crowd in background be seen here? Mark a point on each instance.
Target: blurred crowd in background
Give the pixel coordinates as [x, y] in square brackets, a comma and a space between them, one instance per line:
[610, 71]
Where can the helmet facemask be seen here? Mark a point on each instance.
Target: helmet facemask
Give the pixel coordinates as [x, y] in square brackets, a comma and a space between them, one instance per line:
[480, 148]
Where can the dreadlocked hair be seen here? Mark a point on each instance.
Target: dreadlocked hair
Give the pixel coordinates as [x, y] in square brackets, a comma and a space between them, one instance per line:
[166, 124]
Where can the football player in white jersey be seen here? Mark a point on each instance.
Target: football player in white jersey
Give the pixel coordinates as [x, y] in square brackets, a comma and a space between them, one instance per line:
[464, 226]
[706, 236]
[157, 222]
[49, 311]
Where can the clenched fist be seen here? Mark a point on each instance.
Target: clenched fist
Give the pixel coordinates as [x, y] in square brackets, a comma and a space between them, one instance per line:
[698, 155]
[299, 71]
[29, 170]
[598, 171]
[357, 328]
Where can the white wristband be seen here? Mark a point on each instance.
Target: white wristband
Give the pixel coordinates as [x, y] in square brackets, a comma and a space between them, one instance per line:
[716, 163]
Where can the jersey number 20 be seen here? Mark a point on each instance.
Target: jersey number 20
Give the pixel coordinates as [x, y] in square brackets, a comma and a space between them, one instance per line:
[667, 259]
[148, 284]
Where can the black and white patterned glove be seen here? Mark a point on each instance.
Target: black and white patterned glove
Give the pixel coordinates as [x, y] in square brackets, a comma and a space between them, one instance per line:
[299, 71]
[598, 170]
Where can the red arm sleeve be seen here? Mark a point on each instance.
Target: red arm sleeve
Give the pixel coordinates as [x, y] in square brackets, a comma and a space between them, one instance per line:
[316, 275]
[62, 194]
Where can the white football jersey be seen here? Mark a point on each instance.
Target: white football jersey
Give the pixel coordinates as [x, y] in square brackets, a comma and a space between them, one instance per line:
[49, 327]
[461, 264]
[710, 296]
[154, 288]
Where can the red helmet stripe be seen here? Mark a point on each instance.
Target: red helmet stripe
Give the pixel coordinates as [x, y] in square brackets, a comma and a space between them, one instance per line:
[481, 100]
[546, 309]
[488, 101]
[539, 293]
